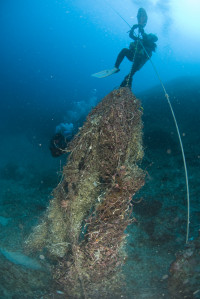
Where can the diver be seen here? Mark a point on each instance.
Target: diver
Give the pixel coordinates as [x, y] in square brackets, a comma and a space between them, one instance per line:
[136, 52]
[63, 135]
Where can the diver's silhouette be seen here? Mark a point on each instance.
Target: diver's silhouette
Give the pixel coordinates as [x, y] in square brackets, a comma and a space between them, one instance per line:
[136, 52]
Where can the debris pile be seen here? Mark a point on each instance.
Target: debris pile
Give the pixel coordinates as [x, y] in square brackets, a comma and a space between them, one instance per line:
[84, 227]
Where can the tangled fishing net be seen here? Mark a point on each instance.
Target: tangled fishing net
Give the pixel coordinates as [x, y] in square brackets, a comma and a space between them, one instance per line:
[83, 229]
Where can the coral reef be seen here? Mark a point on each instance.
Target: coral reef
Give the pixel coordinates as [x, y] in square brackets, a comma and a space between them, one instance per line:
[84, 227]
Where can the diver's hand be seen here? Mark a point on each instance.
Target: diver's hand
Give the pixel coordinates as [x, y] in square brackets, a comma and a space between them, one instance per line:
[134, 27]
[141, 30]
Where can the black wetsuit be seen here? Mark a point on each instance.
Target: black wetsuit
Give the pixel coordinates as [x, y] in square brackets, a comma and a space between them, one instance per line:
[137, 53]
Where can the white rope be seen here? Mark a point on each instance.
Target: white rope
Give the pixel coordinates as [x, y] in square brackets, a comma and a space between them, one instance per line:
[181, 145]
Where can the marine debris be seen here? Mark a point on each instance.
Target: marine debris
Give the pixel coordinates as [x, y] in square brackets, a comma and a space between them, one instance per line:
[83, 229]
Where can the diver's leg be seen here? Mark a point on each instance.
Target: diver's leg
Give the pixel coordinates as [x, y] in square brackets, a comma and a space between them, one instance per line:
[124, 53]
[137, 65]
[127, 82]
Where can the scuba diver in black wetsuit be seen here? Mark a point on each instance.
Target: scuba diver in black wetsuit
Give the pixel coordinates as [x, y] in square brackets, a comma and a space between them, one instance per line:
[136, 52]
[63, 135]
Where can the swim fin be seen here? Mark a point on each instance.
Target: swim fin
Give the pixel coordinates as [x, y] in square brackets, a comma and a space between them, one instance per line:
[105, 73]
[142, 17]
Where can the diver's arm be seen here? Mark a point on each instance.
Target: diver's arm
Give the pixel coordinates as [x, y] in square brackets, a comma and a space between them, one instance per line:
[132, 33]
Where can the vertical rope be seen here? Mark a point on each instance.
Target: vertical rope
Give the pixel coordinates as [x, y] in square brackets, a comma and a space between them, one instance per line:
[129, 75]
[181, 144]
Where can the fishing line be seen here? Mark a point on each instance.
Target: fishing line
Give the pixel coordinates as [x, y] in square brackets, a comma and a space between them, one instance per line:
[118, 14]
[176, 125]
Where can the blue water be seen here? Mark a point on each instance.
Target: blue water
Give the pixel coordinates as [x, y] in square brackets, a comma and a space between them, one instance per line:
[49, 49]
